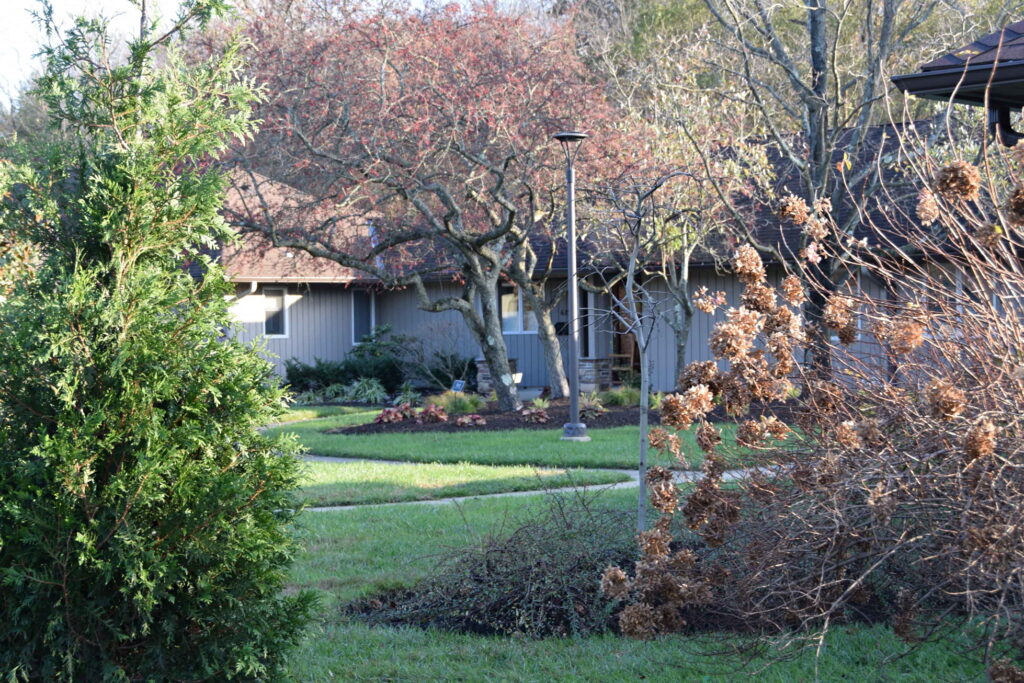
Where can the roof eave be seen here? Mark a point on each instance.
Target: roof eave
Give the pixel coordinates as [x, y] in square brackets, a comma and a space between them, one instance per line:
[970, 85]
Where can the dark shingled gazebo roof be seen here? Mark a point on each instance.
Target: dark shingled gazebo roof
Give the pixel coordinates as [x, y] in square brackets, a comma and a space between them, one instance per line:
[964, 75]
[991, 67]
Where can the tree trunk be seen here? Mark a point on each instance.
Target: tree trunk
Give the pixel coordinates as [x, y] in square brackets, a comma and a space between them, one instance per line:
[492, 344]
[818, 353]
[645, 401]
[683, 322]
[552, 355]
[547, 337]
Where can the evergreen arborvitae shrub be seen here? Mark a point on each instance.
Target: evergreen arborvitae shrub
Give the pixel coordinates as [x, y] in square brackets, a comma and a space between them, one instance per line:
[144, 521]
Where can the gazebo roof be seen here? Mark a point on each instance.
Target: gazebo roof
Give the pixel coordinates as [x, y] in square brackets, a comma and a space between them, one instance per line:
[994, 63]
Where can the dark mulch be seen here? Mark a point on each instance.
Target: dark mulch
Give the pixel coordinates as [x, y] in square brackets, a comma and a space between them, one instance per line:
[558, 412]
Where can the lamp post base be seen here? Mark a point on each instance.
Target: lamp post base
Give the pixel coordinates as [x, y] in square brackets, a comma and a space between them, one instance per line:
[574, 431]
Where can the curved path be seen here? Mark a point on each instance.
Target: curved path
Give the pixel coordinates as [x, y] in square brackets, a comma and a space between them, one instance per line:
[682, 477]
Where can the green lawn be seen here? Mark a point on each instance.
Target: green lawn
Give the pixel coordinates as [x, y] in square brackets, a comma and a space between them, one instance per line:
[344, 415]
[613, 447]
[353, 483]
[352, 553]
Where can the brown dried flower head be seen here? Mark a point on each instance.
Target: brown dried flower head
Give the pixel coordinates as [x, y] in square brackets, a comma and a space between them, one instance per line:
[824, 396]
[823, 206]
[945, 400]
[1015, 207]
[869, 432]
[736, 395]
[639, 620]
[660, 440]
[792, 290]
[747, 265]
[663, 491]
[927, 207]
[812, 253]
[904, 334]
[759, 297]
[708, 437]
[615, 583]
[794, 209]
[981, 440]
[838, 312]
[654, 543]
[1003, 670]
[708, 301]
[699, 372]
[816, 229]
[959, 181]
[755, 433]
[733, 338]
[846, 435]
[679, 411]
[990, 234]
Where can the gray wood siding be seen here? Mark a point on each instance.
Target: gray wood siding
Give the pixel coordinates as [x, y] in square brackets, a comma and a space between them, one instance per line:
[445, 331]
[663, 345]
[319, 323]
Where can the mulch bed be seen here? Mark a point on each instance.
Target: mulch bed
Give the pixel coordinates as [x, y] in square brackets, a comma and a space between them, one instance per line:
[558, 411]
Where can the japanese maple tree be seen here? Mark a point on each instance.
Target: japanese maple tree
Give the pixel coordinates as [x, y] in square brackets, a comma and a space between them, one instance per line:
[430, 132]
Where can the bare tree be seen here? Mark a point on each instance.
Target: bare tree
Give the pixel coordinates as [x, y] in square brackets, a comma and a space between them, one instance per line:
[812, 78]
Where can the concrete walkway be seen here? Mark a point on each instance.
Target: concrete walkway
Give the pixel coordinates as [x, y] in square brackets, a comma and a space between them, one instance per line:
[681, 477]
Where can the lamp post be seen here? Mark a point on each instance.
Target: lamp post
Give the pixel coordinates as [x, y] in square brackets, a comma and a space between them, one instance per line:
[574, 430]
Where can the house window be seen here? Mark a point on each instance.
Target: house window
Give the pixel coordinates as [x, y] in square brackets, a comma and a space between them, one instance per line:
[516, 315]
[275, 312]
[364, 315]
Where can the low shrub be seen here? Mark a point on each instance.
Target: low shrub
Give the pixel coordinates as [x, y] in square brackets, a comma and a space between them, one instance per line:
[621, 396]
[307, 377]
[366, 390]
[406, 394]
[432, 414]
[400, 413]
[591, 407]
[538, 581]
[535, 415]
[457, 402]
[444, 368]
[360, 363]
[540, 403]
[470, 421]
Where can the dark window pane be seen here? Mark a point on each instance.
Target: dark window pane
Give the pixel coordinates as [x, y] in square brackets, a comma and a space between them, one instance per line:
[362, 315]
[273, 303]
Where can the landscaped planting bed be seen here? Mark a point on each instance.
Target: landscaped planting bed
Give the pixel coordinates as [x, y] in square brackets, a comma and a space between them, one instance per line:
[496, 420]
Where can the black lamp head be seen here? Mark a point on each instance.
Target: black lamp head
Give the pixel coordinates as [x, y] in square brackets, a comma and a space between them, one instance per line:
[569, 136]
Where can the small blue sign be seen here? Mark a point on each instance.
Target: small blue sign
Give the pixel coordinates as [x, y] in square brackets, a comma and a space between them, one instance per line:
[459, 385]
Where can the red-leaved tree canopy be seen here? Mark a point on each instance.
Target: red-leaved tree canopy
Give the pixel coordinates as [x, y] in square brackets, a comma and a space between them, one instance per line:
[433, 127]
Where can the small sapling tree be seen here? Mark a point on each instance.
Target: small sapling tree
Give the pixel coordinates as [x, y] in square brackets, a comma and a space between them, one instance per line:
[143, 518]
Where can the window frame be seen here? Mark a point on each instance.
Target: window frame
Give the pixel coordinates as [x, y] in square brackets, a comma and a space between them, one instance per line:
[520, 311]
[356, 341]
[284, 311]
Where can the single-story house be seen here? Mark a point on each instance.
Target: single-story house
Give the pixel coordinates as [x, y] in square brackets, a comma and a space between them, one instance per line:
[307, 308]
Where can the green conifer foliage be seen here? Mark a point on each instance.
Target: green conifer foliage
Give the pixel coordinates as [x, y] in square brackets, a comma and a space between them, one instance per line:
[144, 521]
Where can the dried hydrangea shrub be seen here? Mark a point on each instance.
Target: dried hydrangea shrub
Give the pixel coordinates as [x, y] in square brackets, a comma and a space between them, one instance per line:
[747, 265]
[959, 181]
[927, 209]
[793, 209]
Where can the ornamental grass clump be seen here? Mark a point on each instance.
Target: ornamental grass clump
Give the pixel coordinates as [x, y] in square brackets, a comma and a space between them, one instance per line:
[892, 484]
[144, 518]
